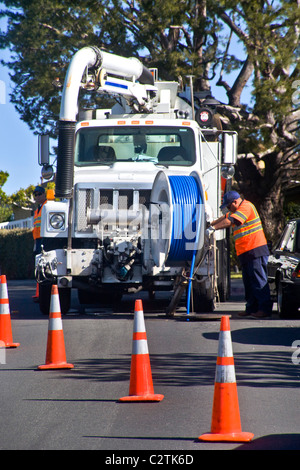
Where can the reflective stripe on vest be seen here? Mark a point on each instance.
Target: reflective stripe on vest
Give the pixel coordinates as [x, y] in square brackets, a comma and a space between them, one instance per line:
[250, 234]
[37, 222]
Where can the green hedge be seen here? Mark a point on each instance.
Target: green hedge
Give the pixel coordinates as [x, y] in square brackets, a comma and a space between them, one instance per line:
[16, 254]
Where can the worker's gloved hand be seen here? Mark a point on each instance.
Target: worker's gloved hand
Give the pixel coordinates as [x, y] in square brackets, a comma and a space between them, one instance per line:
[210, 230]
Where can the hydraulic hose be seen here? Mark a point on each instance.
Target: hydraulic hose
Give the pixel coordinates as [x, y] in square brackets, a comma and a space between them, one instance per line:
[187, 205]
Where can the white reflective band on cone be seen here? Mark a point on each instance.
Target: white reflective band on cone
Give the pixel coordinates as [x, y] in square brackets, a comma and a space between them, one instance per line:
[140, 346]
[4, 309]
[55, 324]
[225, 345]
[225, 374]
[139, 322]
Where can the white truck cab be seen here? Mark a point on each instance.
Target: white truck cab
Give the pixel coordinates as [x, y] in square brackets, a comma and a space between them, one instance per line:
[136, 187]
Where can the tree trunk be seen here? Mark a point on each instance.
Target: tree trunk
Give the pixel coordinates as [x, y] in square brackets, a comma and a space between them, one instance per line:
[262, 185]
[271, 212]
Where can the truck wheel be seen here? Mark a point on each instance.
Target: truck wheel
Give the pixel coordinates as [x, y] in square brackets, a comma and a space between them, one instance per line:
[286, 308]
[203, 299]
[65, 299]
[222, 270]
[45, 298]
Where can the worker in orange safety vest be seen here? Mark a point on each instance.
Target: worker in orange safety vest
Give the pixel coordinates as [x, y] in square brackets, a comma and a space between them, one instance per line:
[252, 251]
[39, 194]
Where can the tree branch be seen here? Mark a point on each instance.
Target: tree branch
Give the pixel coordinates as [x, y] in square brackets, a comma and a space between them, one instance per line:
[48, 26]
[238, 31]
[234, 94]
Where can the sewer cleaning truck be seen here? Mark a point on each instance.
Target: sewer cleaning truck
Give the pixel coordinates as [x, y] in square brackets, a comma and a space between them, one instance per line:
[136, 186]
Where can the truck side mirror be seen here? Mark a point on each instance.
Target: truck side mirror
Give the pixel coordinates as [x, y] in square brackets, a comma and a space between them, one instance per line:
[44, 154]
[229, 147]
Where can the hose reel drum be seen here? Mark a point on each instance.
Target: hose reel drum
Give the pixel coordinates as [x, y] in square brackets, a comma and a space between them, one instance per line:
[177, 219]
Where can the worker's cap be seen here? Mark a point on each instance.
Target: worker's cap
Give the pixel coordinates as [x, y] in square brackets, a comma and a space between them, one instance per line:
[228, 198]
[39, 189]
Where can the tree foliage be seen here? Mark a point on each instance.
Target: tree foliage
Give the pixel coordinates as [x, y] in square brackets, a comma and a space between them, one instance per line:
[5, 209]
[236, 43]
[22, 198]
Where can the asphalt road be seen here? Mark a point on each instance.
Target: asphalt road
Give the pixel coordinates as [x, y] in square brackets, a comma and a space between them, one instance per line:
[78, 409]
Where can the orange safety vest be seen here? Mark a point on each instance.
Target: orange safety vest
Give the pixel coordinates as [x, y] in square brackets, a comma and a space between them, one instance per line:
[37, 219]
[249, 235]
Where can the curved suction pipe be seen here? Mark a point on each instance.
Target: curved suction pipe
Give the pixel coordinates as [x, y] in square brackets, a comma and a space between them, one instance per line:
[94, 57]
[86, 57]
[126, 67]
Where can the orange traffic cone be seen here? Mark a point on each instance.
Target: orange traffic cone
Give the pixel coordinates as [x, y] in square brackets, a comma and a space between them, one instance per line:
[55, 354]
[36, 296]
[141, 385]
[226, 423]
[5, 322]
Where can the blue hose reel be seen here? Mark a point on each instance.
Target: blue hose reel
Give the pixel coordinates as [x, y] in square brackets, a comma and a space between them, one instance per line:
[177, 221]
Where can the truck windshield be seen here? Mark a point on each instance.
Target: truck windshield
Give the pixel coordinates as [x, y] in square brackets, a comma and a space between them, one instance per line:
[160, 145]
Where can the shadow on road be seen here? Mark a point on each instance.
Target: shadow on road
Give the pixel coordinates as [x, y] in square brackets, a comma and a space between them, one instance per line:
[273, 442]
[262, 335]
[253, 369]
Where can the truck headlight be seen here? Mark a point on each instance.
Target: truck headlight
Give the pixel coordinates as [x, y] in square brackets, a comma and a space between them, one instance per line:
[57, 221]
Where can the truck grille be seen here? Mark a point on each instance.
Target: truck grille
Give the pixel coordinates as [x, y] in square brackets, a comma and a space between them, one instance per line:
[94, 198]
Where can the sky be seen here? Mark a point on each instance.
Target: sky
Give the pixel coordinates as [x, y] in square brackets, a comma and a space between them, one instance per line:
[18, 144]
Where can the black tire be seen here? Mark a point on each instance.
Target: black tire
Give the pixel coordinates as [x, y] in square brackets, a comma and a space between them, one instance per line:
[286, 308]
[65, 299]
[45, 298]
[222, 270]
[203, 299]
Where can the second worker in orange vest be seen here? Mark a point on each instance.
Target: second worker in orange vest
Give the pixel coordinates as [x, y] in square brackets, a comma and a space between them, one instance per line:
[39, 194]
[252, 250]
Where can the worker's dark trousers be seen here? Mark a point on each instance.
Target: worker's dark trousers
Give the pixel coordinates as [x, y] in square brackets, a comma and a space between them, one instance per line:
[257, 291]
